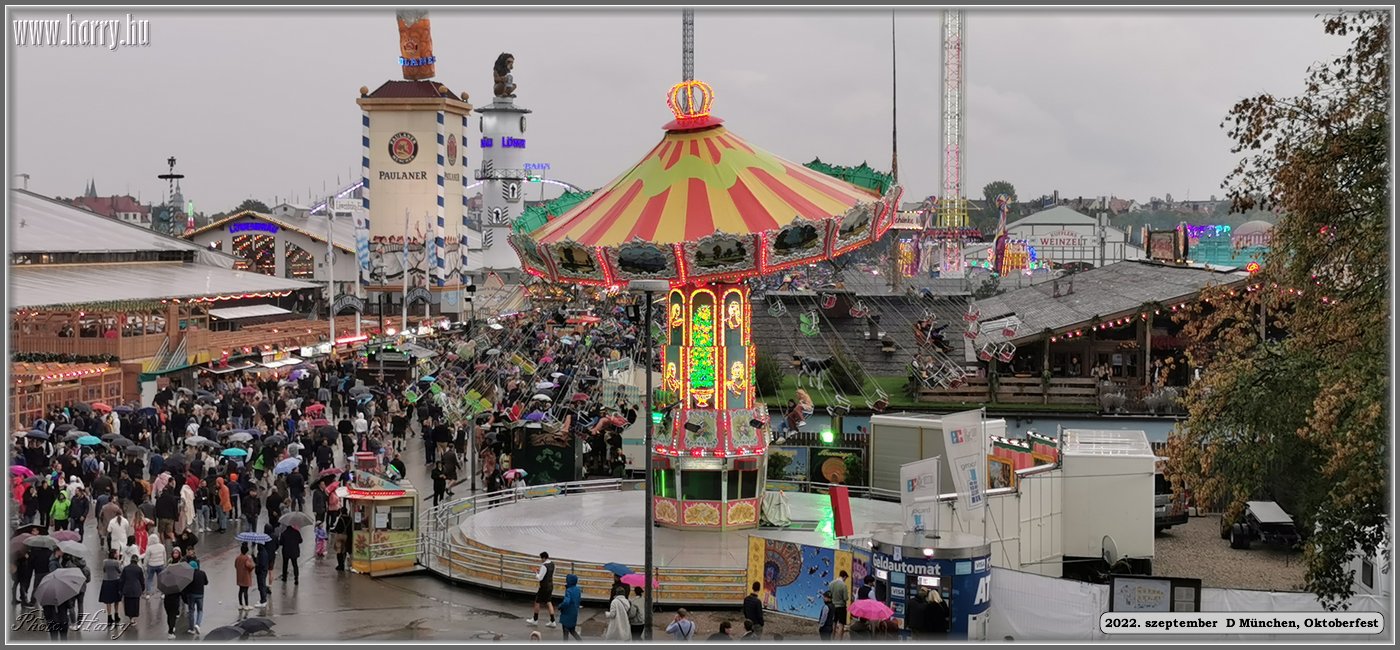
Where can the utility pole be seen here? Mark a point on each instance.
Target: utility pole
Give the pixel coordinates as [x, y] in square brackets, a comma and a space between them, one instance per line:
[330, 268]
[648, 288]
[1103, 229]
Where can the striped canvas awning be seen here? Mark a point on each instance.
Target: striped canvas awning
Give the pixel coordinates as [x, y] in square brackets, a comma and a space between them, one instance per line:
[704, 203]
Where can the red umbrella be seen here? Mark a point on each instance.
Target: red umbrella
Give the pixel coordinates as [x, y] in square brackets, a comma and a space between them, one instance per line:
[315, 408]
[579, 397]
[318, 422]
[249, 390]
[99, 406]
[332, 471]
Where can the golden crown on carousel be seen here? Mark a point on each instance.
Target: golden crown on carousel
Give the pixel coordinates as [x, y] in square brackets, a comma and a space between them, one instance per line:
[690, 102]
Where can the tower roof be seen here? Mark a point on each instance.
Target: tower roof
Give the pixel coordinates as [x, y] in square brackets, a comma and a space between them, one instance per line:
[412, 90]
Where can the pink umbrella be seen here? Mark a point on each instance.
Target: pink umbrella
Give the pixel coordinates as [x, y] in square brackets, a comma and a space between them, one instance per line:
[871, 609]
[158, 485]
[547, 360]
[637, 580]
[21, 470]
[66, 536]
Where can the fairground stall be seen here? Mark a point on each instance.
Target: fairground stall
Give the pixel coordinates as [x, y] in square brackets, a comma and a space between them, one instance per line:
[385, 516]
[706, 210]
[35, 387]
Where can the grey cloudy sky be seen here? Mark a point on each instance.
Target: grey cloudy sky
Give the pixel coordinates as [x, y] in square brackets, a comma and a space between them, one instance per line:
[262, 104]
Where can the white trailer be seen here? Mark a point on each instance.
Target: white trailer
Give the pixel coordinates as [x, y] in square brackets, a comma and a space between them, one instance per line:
[1109, 490]
[906, 437]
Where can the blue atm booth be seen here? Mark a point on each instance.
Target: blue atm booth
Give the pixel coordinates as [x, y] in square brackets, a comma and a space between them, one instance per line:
[958, 565]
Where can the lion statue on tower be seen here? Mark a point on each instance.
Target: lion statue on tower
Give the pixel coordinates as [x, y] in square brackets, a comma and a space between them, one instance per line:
[505, 81]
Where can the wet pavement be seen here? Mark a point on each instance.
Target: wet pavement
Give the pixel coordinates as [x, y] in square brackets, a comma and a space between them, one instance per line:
[326, 605]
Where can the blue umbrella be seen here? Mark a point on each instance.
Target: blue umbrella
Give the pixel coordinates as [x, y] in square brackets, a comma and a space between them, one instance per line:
[149, 411]
[123, 409]
[535, 417]
[618, 569]
[234, 451]
[428, 379]
[256, 538]
[89, 441]
[287, 466]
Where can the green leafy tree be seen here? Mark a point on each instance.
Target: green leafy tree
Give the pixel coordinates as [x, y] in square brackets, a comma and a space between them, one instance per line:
[253, 205]
[986, 218]
[1293, 402]
[991, 190]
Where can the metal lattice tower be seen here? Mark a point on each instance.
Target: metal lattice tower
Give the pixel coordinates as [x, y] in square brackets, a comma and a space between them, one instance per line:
[687, 45]
[173, 206]
[952, 212]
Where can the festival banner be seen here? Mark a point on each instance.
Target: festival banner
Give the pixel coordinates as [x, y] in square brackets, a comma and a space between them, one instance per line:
[918, 494]
[966, 443]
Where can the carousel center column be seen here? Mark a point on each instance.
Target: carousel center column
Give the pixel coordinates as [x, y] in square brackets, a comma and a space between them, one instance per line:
[708, 453]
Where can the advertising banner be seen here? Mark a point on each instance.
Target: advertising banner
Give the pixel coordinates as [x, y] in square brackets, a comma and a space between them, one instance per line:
[918, 494]
[966, 442]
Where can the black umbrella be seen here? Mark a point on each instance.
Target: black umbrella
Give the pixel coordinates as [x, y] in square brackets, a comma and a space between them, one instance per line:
[32, 529]
[176, 458]
[257, 624]
[120, 443]
[136, 450]
[59, 587]
[275, 440]
[108, 437]
[226, 633]
[82, 407]
[64, 428]
[175, 578]
[72, 434]
[149, 509]
[37, 435]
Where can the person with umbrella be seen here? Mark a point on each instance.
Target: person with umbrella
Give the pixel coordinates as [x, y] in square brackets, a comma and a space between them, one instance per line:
[56, 595]
[72, 558]
[339, 525]
[40, 557]
[291, 552]
[243, 576]
[133, 586]
[172, 600]
[194, 595]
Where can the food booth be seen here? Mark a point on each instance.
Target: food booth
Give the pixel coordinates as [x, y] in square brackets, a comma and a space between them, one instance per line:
[384, 539]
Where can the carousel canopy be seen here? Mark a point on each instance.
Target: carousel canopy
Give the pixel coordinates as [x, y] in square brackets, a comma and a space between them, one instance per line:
[705, 204]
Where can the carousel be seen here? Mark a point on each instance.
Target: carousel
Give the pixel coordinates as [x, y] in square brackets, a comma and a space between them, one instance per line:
[706, 210]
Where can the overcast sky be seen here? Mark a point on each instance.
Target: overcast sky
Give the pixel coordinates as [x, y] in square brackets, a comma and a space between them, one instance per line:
[262, 104]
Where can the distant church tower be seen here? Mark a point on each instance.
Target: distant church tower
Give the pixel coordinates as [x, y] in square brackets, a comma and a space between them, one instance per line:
[413, 143]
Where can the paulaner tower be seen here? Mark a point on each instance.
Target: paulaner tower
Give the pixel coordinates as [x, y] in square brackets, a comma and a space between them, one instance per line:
[413, 140]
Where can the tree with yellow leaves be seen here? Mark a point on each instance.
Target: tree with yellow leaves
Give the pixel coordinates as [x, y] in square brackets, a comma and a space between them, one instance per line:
[1293, 402]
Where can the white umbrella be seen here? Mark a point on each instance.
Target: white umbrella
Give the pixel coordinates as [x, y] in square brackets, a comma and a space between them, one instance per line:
[542, 397]
[195, 440]
[545, 385]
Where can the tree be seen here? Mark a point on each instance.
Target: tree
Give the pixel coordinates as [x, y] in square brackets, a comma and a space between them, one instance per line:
[991, 190]
[253, 205]
[1293, 403]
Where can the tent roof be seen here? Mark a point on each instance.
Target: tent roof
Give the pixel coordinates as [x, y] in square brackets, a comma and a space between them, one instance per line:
[1058, 215]
[43, 286]
[313, 226]
[696, 183]
[39, 224]
[1103, 292]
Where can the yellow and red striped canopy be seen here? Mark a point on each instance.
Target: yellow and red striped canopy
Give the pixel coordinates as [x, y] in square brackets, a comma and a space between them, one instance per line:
[704, 205]
[696, 183]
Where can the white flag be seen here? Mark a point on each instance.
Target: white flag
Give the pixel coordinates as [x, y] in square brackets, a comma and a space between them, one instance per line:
[965, 438]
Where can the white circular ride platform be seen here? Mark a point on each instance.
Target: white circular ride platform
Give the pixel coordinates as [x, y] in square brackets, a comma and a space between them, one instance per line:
[496, 540]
